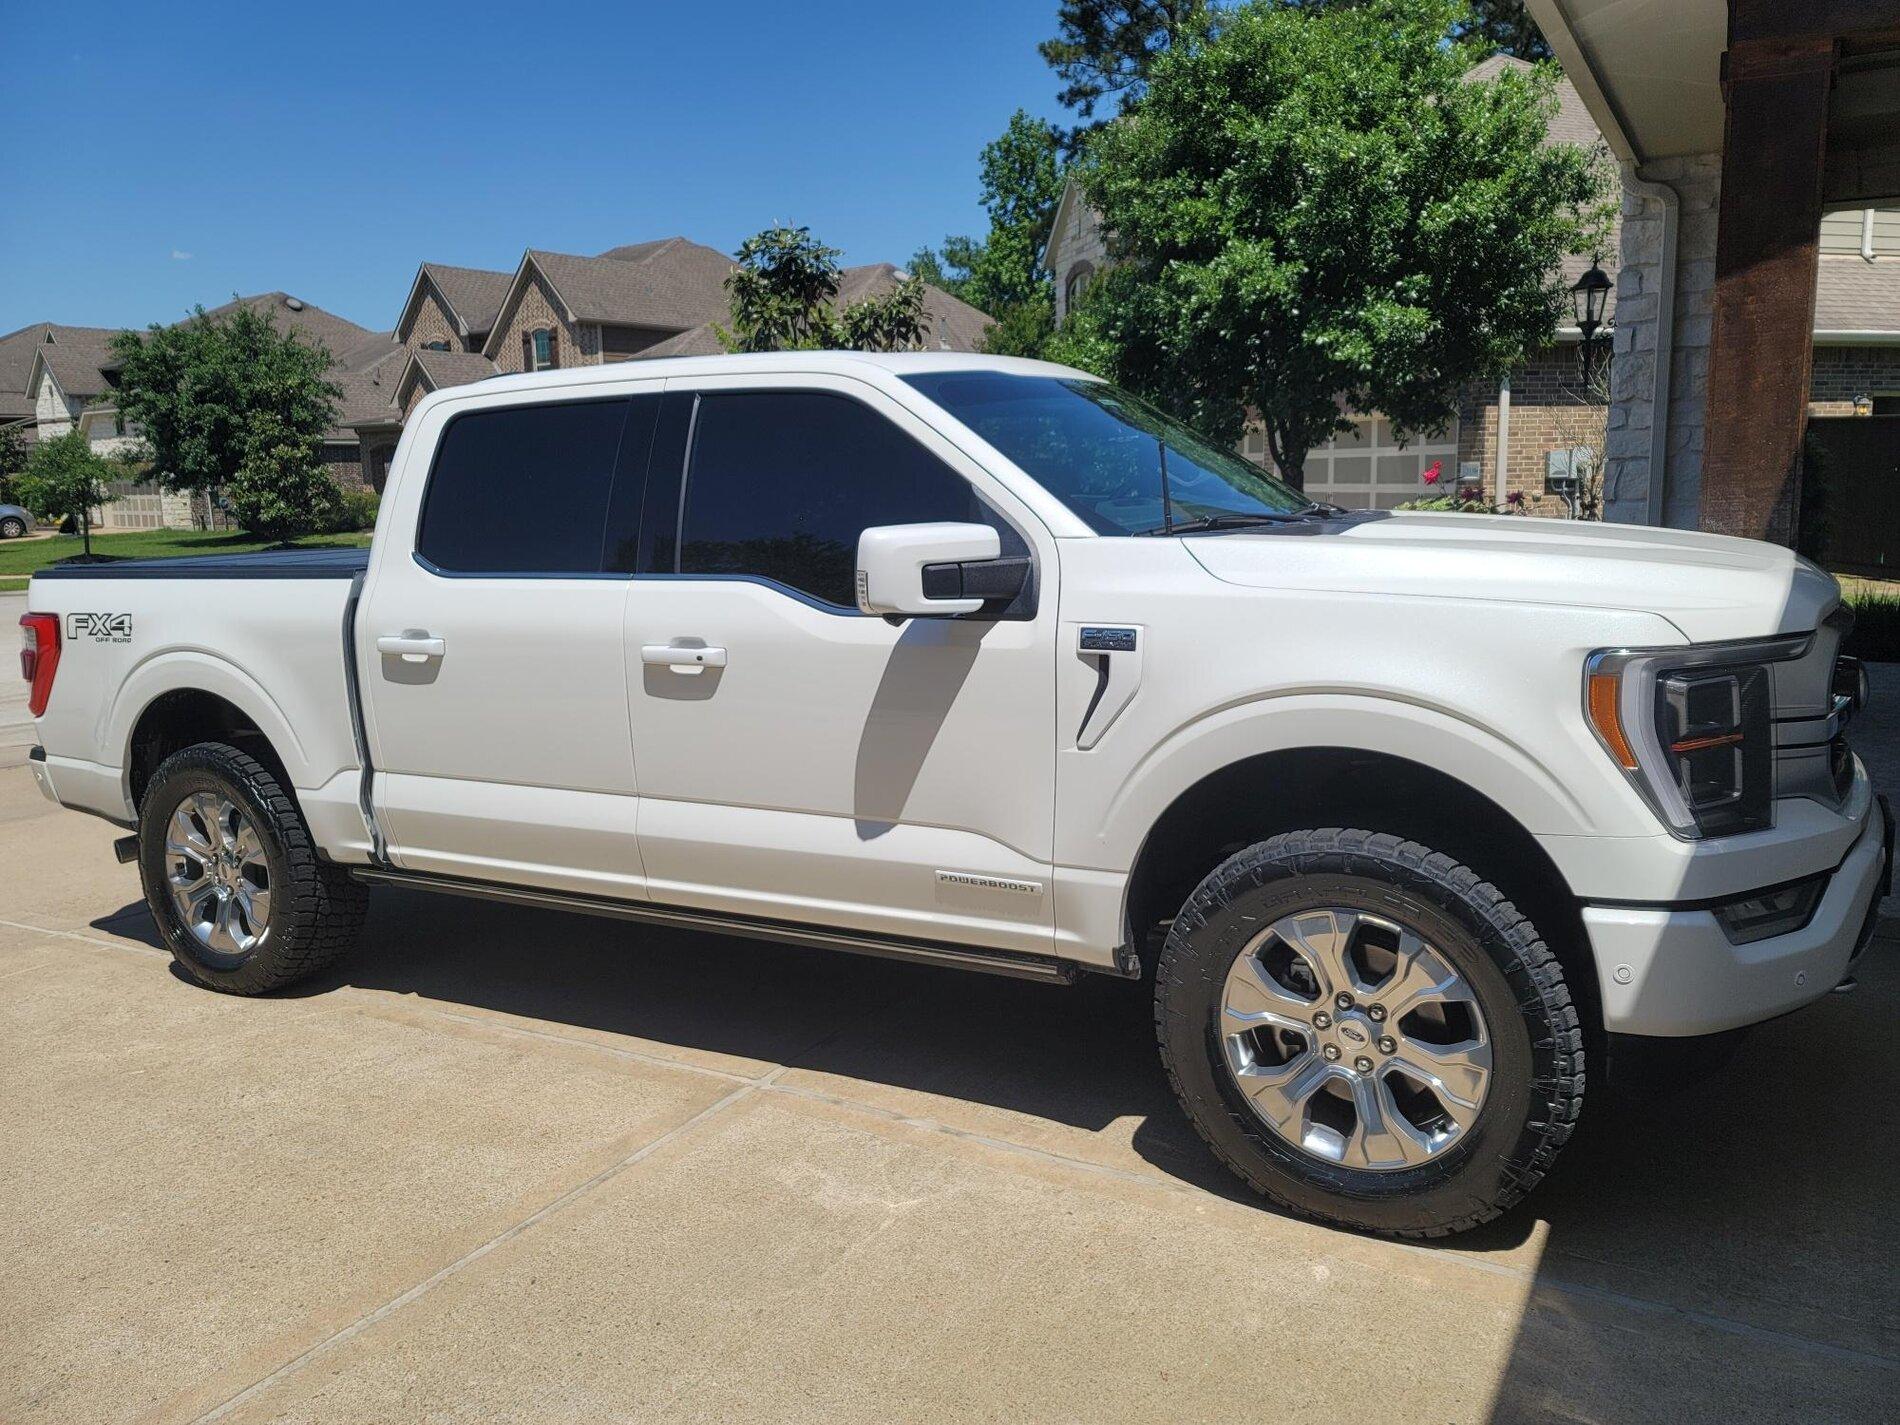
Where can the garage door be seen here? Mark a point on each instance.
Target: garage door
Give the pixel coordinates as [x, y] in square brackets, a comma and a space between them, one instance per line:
[1367, 469]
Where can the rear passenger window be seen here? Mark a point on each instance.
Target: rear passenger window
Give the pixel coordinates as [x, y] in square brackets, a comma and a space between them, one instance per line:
[524, 489]
[781, 483]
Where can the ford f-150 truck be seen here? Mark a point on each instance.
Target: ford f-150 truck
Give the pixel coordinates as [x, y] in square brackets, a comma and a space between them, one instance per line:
[984, 663]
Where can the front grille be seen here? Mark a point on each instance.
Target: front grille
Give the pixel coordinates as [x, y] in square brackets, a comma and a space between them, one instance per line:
[1812, 757]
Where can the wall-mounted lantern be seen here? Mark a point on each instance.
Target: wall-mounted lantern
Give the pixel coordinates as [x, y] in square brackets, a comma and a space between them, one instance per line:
[1590, 295]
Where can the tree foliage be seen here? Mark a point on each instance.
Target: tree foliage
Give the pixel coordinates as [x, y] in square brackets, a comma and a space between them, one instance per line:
[196, 392]
[13, 457]
[63, 478]
[1104, 49]
[1310, 206]
[1001, 273]
[784, 297]
[280, 489]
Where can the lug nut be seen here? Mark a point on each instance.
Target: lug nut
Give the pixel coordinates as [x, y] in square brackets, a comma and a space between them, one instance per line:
[1322, 1020]
[1331, 1051]
[1376, 1013]
[1343, 1000]
[1388, 1045]
[1362, 1064]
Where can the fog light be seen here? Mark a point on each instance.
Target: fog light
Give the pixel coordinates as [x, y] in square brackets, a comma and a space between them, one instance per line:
[1778, 912]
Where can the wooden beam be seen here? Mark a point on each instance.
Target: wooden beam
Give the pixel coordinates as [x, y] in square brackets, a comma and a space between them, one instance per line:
[1766, 262]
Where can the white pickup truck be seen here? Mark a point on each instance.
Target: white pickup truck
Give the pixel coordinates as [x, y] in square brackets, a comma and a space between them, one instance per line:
[984, 663]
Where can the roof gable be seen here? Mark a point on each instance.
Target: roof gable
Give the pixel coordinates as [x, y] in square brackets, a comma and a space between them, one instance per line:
[672, 284]
[473, 297]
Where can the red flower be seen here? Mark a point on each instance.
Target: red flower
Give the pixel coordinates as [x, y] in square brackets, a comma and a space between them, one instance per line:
[1434, 471]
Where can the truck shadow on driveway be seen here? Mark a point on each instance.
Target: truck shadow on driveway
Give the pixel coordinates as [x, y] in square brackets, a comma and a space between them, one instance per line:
[1764, 1198]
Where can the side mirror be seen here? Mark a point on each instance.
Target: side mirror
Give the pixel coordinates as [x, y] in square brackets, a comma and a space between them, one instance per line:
[935, 570]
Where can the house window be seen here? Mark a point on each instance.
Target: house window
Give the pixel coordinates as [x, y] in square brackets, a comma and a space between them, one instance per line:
[437, 345]
[1077, 284]
[540, 350]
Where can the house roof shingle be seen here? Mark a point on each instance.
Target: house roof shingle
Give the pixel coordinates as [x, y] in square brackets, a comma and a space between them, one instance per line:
[18, 348]
[672, 283]
[474, 294]
[1852, 294]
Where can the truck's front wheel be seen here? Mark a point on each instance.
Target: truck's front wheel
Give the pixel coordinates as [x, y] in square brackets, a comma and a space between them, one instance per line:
[233, 878]
[1369, 1033]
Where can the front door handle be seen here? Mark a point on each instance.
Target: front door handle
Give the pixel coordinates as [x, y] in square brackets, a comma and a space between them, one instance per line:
[683, 657]
[412, 645]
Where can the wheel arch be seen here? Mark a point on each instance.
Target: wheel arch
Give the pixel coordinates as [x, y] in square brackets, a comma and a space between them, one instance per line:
[204, 701]
[1288, 789]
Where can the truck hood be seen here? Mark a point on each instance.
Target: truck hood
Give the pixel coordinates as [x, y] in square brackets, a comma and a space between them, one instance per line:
[1710, 586]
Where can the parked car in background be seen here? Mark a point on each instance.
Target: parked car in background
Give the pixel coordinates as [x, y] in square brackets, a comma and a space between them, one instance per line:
[984, 663]
[15, 522]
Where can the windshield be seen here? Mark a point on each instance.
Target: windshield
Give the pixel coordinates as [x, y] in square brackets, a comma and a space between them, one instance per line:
[1107, 455]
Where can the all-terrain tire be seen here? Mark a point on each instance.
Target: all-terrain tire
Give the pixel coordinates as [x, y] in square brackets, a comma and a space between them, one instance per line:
[1535, 1094]
[316, 909]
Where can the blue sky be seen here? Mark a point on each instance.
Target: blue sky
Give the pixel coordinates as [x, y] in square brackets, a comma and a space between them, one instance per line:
[169, 154]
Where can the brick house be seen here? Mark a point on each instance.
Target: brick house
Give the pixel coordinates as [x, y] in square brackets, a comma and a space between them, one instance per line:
[1512, 437]
[636, 302]
[55, 379]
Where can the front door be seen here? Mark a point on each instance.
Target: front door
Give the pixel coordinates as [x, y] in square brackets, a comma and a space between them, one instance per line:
[799, 760]
[489, 649]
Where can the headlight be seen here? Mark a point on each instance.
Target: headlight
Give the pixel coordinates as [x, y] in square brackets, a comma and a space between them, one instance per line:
[1693, 730]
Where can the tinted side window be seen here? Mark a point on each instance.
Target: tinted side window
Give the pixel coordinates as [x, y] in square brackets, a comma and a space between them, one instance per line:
[781, 483]
[523, 489]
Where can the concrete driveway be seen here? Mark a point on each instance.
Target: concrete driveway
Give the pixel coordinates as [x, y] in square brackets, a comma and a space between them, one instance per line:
[520, 1166]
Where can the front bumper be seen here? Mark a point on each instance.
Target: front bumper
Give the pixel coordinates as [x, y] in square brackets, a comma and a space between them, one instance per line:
[1673, 972]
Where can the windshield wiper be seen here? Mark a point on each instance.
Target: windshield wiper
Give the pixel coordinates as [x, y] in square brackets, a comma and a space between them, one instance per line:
[1205, 522]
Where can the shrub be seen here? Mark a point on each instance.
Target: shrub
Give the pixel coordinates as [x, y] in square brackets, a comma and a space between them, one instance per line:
[1876, 635]
[357, 512]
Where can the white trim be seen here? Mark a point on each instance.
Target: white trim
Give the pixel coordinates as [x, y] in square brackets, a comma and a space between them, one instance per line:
[1838, 337]
[1047, 260]
[1555, 24]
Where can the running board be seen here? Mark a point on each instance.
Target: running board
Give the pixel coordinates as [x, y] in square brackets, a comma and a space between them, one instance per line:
[1045, 968]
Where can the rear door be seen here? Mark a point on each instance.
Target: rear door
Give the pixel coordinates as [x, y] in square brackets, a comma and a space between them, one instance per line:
[815, 763]
[489, 644]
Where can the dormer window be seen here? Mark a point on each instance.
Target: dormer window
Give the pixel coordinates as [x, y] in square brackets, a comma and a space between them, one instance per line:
[437, 345]
[540, 350]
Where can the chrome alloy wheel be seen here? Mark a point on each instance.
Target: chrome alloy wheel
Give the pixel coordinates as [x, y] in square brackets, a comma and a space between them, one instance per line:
[218, 873]
[1354, 1040]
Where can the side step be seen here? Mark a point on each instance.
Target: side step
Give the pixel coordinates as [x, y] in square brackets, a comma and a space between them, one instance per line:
[1046, 968]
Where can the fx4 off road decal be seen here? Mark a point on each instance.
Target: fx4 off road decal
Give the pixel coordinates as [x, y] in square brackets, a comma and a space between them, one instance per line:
[100, 628]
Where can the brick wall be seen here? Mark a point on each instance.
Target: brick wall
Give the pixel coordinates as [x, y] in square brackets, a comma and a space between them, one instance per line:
[1843, 372]
[535, 308]
[1551, 409]
[432, 323]
[345, 464]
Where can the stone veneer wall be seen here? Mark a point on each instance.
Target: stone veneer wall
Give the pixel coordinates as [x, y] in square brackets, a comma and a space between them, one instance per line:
[1081, 242]
[1627, 474]
[1843, 372]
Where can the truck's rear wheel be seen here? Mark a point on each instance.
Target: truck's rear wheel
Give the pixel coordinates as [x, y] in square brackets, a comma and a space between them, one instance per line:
[1369, 1033]
[232, 876]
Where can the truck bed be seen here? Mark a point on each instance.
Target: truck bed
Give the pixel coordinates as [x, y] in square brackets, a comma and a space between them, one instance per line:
[338, 563]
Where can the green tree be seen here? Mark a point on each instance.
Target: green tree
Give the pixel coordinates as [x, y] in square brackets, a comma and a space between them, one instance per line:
[893, 321]
[64, 479]
[13, 453]
[1314, 206]
[280, 489]
[1001, 274]
[784, 297]
[197, 391]
[1104, 49]
[1489, 26]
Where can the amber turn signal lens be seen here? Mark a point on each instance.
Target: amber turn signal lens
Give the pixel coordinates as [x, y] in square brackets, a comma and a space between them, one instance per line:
[1606, 717]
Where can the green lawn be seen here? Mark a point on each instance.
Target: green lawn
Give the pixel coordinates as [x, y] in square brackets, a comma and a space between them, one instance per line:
[20, 557]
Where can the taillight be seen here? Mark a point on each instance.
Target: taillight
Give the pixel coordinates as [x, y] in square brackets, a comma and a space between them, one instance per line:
[39, 658]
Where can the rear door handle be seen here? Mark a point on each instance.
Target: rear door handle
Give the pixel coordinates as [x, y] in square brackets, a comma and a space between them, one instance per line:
[412, 645]
[683, 657]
